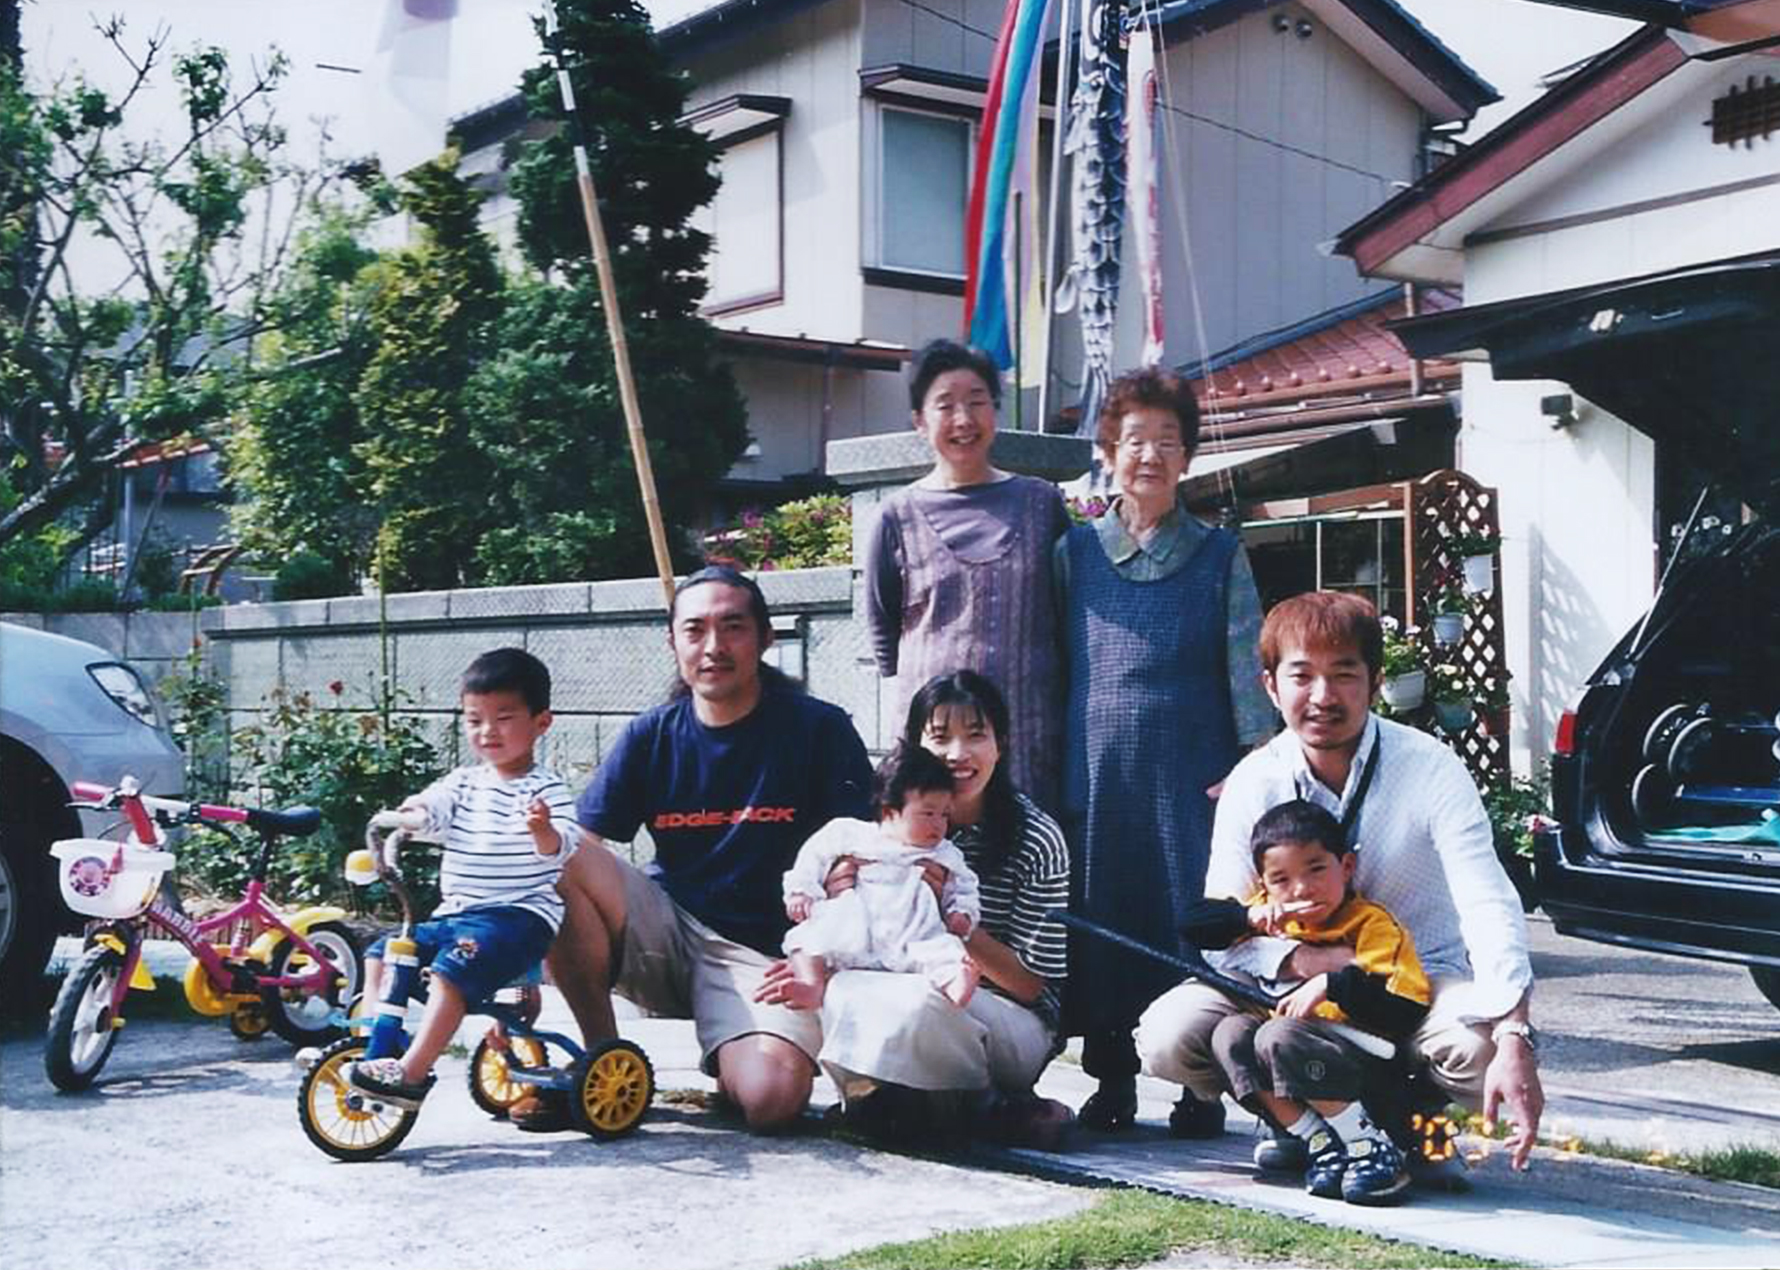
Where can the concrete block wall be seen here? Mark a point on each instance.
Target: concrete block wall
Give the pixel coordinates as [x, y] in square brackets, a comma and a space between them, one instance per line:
[605, 644]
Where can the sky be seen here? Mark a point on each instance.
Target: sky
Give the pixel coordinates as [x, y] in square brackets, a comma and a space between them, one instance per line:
[337, 96]
[1509, 42]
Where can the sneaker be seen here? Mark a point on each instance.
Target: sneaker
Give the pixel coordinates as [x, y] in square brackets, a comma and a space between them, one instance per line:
[1282, 1152]
[1039, 1124]
[544, 1111]
[383, 1078]
[1111, 1107]
[1375, 1173]
[1325, 1163]
[1197, 1118]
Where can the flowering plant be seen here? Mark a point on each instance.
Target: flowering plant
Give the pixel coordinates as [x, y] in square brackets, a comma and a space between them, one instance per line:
[1083, 510]
[1447, 682]
[1402, 650]
[1474, 544]
[806, 534]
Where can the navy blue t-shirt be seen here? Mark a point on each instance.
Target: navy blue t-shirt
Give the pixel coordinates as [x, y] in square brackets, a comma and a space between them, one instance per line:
[729, 807]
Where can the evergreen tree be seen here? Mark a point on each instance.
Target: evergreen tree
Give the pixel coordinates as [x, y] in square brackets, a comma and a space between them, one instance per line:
[432, 319]
[568, 499]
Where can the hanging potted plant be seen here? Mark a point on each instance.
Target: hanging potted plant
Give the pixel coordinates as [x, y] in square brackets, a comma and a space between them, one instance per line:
[1449, 607]
[1452, 698]
[1477, 555]
[1405, 682]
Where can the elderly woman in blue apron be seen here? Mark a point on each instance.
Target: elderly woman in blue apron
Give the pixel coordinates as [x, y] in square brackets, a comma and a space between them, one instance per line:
[1160, 626]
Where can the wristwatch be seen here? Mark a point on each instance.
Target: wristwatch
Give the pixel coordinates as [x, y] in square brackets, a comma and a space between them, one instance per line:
[1515, 1027]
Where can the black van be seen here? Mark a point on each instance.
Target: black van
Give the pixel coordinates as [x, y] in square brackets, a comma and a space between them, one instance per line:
[1665, 780]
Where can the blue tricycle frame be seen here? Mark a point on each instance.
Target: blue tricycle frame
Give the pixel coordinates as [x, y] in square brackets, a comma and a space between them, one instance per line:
[608, 1087]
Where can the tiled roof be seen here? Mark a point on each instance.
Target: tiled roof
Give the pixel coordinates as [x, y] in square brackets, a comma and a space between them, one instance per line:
[1340, 356]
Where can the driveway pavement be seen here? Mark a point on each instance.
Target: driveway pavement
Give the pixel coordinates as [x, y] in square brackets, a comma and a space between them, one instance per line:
[190, 1149]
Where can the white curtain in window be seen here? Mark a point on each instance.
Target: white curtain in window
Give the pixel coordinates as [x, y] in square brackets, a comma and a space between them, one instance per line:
[922, 193]
[744, 223]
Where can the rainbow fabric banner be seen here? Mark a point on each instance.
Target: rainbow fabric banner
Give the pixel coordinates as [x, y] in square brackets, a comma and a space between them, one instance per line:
[1001, 228]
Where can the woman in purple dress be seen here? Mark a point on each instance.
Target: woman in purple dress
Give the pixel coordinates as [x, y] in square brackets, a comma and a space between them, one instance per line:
[958, 566]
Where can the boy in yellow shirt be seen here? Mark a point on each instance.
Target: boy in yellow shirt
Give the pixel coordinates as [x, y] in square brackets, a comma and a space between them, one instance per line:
[1290, 1067]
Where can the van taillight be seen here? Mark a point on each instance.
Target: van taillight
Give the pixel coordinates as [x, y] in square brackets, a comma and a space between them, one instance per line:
[1564, 744]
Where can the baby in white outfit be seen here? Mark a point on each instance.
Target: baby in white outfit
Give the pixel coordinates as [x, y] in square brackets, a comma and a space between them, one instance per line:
[913, 901]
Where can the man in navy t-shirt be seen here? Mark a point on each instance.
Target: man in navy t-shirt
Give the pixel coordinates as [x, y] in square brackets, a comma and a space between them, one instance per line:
[729, 777]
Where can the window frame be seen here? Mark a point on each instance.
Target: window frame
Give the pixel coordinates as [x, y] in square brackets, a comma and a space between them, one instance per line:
[874, 267]
[715, 306]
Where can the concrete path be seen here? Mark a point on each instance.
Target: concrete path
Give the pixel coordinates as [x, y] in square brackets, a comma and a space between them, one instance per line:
[774, 1202]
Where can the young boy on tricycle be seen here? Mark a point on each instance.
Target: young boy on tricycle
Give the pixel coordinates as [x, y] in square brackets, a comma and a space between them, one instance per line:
[508, 825]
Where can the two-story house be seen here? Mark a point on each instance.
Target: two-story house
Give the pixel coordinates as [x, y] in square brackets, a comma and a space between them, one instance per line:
[847, 130]
[1631, 209]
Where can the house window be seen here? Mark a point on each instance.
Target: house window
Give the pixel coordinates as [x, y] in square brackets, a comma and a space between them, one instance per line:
[923, 183]
[745, 227]
[1359, 556]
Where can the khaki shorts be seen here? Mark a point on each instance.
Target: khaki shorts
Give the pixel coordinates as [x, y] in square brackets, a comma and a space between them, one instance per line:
[673, 966]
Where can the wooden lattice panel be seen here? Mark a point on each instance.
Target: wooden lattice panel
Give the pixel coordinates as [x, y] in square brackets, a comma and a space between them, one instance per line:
[1437, 509]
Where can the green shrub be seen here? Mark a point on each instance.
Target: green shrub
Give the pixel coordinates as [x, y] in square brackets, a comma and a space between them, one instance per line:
[308, 576]
[347, 763]
[198, 715]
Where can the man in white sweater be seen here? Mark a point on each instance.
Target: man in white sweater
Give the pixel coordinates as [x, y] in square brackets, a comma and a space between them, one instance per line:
[1425, 853]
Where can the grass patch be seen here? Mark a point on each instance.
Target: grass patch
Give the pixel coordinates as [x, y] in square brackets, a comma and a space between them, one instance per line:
[1756, 1166]
[1134, 1228]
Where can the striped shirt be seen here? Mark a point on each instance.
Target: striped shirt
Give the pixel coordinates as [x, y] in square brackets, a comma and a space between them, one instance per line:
[490, 859]
[1016, 897]
[1425, 850]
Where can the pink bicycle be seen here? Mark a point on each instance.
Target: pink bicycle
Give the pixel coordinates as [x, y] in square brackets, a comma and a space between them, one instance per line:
[261, 967]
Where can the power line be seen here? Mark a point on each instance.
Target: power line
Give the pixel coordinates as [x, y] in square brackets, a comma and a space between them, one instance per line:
[1277, 145]
[990, 36]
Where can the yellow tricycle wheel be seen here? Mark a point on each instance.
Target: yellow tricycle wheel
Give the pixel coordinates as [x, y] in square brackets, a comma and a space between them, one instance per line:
[492, 1086]
[345, 1123]
[613, 1086]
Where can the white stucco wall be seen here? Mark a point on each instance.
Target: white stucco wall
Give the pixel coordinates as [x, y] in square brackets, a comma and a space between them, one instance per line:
[1578, 504]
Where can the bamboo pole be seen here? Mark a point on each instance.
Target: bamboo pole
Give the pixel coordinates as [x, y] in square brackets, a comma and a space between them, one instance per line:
[602, 263]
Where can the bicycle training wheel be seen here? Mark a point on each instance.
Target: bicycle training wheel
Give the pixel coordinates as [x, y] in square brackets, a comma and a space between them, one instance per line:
[306, 1018]
[613, 1086]
[81, 1023]
[492, 1086]
[345, 1123]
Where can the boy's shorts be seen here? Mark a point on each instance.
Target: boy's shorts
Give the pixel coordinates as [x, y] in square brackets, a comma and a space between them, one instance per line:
[673, 966]
[481, 949]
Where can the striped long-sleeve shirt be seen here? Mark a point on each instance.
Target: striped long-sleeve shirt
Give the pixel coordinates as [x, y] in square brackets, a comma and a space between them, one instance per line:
[1030, 882]
[490, 859]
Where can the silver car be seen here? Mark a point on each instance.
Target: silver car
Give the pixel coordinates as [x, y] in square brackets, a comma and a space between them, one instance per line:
[69, 711]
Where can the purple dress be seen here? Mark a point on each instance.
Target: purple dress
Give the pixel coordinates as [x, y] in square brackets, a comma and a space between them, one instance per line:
[960, 579]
